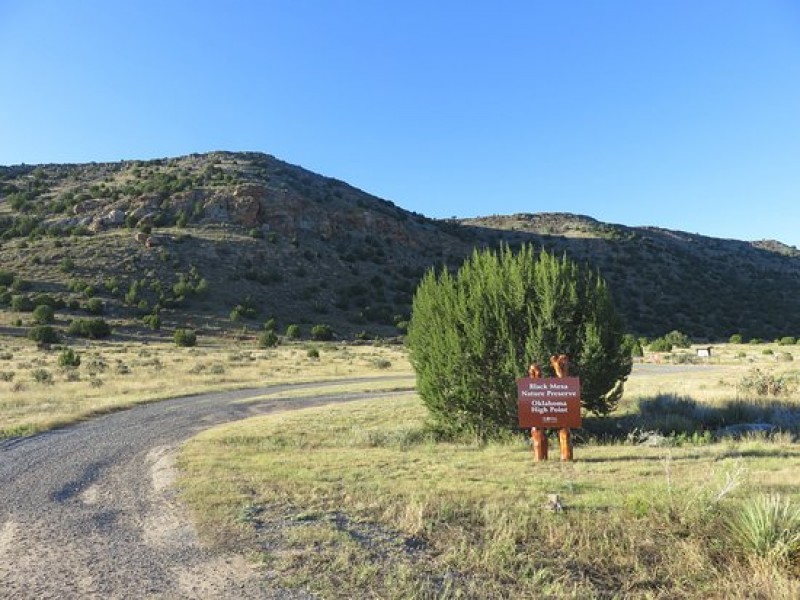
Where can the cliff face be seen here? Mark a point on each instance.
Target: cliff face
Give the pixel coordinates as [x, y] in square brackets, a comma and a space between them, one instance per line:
[306, 248]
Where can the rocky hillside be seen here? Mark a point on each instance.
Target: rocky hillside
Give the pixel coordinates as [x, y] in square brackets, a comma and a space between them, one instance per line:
[223, 241]
[664, 280]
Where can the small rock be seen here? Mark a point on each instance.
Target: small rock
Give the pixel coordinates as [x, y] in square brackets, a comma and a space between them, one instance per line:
[554, 503]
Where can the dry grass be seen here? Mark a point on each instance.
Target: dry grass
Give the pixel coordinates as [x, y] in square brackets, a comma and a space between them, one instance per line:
[368, 505]
[358, 500]
[114, 375]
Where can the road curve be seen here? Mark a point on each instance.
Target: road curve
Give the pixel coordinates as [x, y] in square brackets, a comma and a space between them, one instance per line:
[89, 511]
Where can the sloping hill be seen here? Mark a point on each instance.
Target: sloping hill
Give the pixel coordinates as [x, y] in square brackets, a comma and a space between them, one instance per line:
[662, 279]
[198, 236]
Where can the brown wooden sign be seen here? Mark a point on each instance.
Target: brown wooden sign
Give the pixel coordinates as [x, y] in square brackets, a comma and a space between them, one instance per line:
[549, 402]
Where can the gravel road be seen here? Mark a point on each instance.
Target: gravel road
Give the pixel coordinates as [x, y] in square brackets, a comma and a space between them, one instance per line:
[90, 511]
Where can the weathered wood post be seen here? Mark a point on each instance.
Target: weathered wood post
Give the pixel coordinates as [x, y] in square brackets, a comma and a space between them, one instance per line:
[560, 365]
[565, 443]
[538, 434]
[539, 438]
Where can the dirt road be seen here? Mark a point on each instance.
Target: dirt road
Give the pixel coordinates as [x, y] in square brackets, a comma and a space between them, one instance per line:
[90, 511]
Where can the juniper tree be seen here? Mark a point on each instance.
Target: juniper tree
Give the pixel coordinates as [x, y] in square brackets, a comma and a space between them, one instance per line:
[473, 333]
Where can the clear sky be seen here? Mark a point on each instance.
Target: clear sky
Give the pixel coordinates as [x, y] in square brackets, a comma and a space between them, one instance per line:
[682, 114]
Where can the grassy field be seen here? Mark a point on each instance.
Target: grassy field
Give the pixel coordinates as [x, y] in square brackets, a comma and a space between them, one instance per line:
[357, 500]
[37, 394]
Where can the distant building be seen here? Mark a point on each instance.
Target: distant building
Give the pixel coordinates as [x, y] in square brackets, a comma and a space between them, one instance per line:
[704, 352]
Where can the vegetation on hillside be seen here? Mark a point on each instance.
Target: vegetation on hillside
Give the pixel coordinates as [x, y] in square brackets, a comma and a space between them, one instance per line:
[195, 237]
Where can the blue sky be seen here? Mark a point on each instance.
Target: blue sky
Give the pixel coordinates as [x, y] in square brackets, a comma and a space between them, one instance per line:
[673, 113]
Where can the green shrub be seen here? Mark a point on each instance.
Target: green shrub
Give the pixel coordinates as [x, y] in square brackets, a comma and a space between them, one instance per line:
[44, 314]
[474, 333]
[270, 325]
[89, 328]
[6, 278]
[21, 303]
[69, 358]
[759, 383]
[322, 332]
[94, 306]
[76, 285]
[185, 338]
[678, 339]
[244, 310]
[293, 332]
[787, 341]
[661, 344]
[183, 287]
[201, 289]
[111, 284]
[312, 352]
[47, 300]
[736, 338]
[153, 321]
[268, 339]
[67, 265]
[633, 345]
[44, 334]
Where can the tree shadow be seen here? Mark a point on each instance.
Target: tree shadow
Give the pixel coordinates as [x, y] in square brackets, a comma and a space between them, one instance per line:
[671, 415]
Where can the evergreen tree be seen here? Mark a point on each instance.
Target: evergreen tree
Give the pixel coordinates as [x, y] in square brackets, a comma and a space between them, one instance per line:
[472, 334]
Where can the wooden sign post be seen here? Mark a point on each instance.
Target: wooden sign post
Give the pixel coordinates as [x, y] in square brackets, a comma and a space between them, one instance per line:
[549, 403]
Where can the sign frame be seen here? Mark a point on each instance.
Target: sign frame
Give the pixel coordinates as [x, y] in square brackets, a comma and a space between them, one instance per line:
[549, 402]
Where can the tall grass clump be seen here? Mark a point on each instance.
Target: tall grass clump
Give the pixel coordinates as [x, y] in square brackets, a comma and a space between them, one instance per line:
[42, 376]
[767, 527]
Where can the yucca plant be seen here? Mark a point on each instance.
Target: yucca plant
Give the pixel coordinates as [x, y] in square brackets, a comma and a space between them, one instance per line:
[768, 527]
